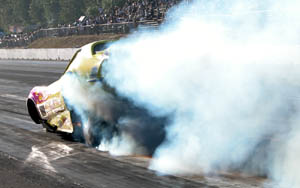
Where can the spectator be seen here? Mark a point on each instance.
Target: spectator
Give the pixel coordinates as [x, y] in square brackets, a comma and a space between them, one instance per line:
[136, 11]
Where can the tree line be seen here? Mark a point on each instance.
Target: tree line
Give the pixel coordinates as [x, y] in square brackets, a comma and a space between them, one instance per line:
[49, 13]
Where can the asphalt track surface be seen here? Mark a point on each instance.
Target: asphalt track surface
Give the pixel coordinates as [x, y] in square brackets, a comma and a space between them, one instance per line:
[31, 157]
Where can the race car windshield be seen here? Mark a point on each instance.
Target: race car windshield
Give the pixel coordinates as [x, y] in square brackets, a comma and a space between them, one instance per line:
[98, 47]
[74, 56]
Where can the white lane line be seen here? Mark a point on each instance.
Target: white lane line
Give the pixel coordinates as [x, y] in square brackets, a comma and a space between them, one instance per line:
[16, 97]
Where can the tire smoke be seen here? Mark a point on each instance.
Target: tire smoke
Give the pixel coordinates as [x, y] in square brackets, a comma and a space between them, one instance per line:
[109, 122]
[229, 73]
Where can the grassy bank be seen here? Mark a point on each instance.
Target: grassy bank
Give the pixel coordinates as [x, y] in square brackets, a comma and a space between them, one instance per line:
[71, 41]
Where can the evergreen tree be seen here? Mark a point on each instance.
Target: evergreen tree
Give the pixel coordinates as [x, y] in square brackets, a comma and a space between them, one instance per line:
[108, 4]
[92, 7]
[71, 10]
[5, 14]
[52, 9]
[20, 12]
[37, 13]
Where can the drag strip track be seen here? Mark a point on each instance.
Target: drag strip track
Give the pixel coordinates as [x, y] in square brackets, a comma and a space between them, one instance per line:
[30, 157]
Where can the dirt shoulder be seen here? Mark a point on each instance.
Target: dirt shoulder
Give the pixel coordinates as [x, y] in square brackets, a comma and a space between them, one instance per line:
[71, 41]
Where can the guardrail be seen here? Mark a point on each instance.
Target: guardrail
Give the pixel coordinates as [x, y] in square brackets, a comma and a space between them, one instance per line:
[116, 28]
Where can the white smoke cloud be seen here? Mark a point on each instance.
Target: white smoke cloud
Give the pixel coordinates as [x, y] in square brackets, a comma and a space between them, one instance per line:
[228, 71]
[92, 106]
[107, 121]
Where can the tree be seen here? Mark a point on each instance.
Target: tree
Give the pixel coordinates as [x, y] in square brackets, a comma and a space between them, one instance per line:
[108, 4]
[5, 12]
[37, 13]
[92, 11]
[14, 12]
[92, 7]
[20, 12]
[92, 3]
[52, 9]
[71, 10]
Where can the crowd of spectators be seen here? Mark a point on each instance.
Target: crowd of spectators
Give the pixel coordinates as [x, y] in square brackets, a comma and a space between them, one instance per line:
[135, 11]
[17, 39]
[132, 11]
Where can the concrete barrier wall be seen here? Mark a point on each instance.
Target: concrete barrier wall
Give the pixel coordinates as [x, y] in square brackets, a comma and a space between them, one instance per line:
[38, 54]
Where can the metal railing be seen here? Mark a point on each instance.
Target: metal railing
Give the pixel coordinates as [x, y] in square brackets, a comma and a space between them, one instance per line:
[115, 28]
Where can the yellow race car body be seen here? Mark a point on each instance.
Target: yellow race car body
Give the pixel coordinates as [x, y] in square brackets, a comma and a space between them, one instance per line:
[46, 104]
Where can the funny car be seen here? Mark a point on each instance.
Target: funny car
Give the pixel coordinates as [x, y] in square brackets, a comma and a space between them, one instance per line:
[46, 104]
